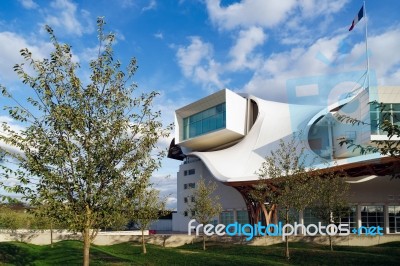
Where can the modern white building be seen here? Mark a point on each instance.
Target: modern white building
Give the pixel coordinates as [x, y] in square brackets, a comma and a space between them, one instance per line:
[225, 137]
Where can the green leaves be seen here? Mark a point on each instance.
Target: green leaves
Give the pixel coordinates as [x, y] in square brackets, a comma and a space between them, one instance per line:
[206, 205]
[284, 178]
[86, 144]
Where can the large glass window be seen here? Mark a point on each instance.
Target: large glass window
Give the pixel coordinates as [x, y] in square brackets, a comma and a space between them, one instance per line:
[372, 216]
[206, 121]
[379, 113]
[349, 217]
[242, 217]
[394, 219]
[227, 217]
[309, 218]
[189, 172]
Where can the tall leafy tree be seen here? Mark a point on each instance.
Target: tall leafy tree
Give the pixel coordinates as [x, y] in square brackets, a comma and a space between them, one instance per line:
[206, 205]
[284, 176]
[147, 208]
[84, 145]
[330, 198]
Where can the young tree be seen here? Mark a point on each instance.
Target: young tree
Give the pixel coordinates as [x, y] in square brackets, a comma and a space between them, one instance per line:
[13, 219]
[147, 208]
[83, 145]
[387, 122]
[206, 205]
[285, 176]
[330, 202]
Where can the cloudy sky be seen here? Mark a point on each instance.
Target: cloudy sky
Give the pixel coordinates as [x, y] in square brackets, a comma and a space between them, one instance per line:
[187, 49]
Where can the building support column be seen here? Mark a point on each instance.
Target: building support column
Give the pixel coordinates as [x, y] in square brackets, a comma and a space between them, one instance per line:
[358, 217]
[301, 221]
[253, 208]
[386, 218]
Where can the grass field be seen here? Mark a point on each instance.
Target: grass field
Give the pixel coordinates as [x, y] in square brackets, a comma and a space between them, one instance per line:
[69, 253]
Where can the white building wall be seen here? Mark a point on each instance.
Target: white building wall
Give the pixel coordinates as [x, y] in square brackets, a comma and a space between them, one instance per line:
[230, 198]
[236, 112]
[237, 163]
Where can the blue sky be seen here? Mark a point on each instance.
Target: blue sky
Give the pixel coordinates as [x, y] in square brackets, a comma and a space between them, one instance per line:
[188, 49]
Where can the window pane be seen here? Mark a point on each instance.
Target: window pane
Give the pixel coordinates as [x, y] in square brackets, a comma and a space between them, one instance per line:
[227, 217]
[204, 122]
[372, 216]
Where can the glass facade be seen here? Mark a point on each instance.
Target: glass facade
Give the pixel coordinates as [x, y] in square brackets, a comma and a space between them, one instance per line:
[309, 218]
[350, 217]
[189, 172]
[227, 217]
[379, 113]
[394, 219]
[372, 216]
[204, 122]
[242, 217]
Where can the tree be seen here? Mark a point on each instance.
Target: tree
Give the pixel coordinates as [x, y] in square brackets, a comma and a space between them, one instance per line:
[331, 192]
[43, 218]
[206, 205]
[286, 180]
[12, 218]
[148, 207]
[387, 122]
[83, 145]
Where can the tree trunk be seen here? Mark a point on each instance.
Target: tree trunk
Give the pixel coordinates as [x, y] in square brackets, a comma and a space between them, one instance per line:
[287, 238]
[330, 237]
[51, 234]
[267, 214]
[86, 246]
[144, 251]
[204, 242]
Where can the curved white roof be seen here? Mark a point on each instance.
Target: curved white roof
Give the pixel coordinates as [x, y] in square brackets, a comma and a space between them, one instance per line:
[275, 121]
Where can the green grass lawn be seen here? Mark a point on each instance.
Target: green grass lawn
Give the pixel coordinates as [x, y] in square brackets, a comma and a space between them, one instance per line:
[70, 253]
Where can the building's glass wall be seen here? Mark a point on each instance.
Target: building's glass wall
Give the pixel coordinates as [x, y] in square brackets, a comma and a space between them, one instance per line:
[242, 217]
[350, 217]
[204, 122]
[227, 217]
[309, 217]
[394, 219]
[372, 216]
[387, 111]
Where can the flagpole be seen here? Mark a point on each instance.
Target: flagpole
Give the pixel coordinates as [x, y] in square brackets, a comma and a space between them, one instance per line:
[366, 42]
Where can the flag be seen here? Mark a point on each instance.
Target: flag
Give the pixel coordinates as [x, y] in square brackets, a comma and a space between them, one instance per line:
[357, 18]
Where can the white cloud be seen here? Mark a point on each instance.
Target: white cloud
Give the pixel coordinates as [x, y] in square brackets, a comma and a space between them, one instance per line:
[64, 16]
[167, 187]
[249, 13]
[159, 35]
[89, 53]
[385, 56]
[13, 126]
[289, 20]
[127, 3]
[152, 5]
[29, 4]
[241, 52]
[10, 45]
[191, 56]
[323, 58]
[197, 63]
[269, 82]
[311, 8]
